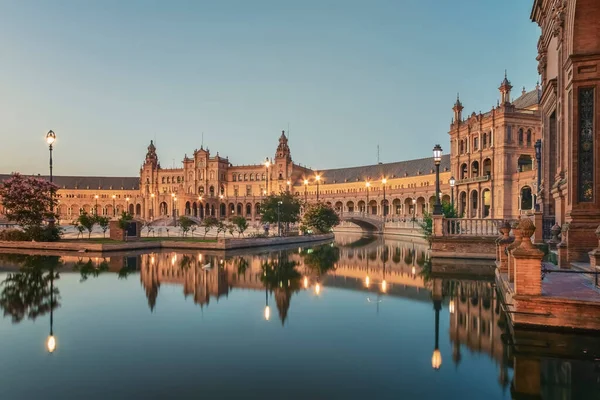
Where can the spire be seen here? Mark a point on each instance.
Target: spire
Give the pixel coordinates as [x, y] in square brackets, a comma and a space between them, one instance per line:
[505, 88]
[458, 107]
[523, 91]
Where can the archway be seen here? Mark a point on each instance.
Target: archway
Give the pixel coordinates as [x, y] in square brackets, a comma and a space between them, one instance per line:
[248, 210]
[409, 208]
[361, 206]
[464, 171]
[372, 207]
[526, 198]
[475, 169]
[486, 201]
[350, 206]
[420, 206]
[462, 204]
[162, 208]
[397, 206]
[487, 167]
[474, 203]
[188, 208]
[240, 207]
[222, 210]
[138, 209]
[231, 209]
[339, 206]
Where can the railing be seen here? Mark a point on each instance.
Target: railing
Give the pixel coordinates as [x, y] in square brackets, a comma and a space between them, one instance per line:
[470, 227]
[548, 222]
[358, 214]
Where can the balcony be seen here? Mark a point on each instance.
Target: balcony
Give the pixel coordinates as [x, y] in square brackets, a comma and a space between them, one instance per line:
[477, 179]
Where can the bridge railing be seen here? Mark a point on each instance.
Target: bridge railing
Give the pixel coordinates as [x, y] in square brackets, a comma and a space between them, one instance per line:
[358, 214]
[470, 227]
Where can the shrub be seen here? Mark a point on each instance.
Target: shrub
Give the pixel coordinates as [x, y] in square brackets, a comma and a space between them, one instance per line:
[13, 235]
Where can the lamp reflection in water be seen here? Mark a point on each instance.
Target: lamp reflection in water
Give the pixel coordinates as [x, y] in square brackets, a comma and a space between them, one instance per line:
[451, 306]
[436, 358]
[317, 288]
[367, 281]
[305, 282]
[267, 309]
[51, 341]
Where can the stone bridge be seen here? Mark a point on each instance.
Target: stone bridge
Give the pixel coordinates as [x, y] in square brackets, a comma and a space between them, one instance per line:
[368, 222]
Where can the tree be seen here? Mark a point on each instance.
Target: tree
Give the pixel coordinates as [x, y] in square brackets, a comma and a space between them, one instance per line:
[320, 217]
[221, 227]
[80, 228]
[241, 224]
[87, 221]
[28, 202]
[208, 224]
[288, 210]
[124, 220]
[185, 223]
[427, 225]
[322, 258]
[230, 228]
[103, 222]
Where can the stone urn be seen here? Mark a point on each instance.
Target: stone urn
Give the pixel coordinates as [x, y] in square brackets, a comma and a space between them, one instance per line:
[527, 229]
[504, 228]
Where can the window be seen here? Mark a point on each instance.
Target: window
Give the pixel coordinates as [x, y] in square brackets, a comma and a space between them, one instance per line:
[251, 177]
[476, 144]
[484, 142]
[234, 176]
[529, 137]
[248, 190]
[521, 136]
[245, 177]
[525, 163]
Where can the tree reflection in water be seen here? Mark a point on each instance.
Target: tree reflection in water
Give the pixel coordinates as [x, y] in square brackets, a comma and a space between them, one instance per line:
[89, 268]
[30, 292]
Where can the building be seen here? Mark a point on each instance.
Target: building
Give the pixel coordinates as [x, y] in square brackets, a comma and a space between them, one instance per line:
[569, 64]
[492, 156]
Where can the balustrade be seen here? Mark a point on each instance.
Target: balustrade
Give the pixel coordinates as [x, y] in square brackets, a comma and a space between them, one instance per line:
[470, 227]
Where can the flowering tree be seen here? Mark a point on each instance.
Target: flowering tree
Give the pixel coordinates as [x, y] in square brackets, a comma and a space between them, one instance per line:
[28, 201]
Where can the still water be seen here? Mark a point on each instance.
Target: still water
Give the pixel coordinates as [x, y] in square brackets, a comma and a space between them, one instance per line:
[363, 317]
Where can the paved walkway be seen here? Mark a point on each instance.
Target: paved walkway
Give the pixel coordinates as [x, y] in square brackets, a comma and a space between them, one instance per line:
[569, 286]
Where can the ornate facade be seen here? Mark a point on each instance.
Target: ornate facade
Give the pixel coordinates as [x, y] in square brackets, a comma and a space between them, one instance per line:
[493, 156]
[569, 63]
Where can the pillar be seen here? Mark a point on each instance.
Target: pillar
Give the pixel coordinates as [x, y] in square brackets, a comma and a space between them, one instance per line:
[562, 247]
[538, 218]
[502, 244]
[528, 261]
[516, 243]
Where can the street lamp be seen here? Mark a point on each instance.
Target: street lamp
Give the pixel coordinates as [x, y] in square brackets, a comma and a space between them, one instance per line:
[96, 206]
[452, 183]
[173, 209]
[437, 159]
[114, 209]
[538, 160]
[384, 181]
[279, 203]
[152, 206]
[318, 179]
[50, 139]
[267, 165]
[305, 192]
[368, 186]
[414, 201]
[288, 186]
[127, 204]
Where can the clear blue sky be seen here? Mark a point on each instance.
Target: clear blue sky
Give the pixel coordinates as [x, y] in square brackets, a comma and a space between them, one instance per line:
[107, 76]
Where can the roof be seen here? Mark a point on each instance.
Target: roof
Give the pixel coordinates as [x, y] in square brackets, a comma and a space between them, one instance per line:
[528, 99]
[90, 182]
[400, 169]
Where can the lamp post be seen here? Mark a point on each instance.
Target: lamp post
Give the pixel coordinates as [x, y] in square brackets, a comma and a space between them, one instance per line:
[538, 159]
[414, 201]
[96, 206]
[436, 358]
[114, 209]
[267, 165]
[318, 179]
[384, 181]
[437, 159]
[279, 203]
[288, 183]
[151, 206]
[127, 205]
[220, 207]
[452, 183]
[50, 139]
[305, 192]
[173, 209]
[368, 186]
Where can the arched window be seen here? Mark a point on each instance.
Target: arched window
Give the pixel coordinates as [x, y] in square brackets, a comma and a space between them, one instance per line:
[529, 137]
[163, 179]
[475, 143]
[463, 171]
[168, 179]
[178, 179]
[211, 190]
[200, 189]
[222, 189]
[251, 177]
[234, 177]
[475, 169]
[526, 198]
[487, 167]
[245, 177]
[521, 136]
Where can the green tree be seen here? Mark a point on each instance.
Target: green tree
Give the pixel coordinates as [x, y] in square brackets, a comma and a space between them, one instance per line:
[240, 223]
[221, 227]
[427, 225]
[87, 221]
[124, 220]
[320, 217]
[80, 229]
[288, 210]
[28, 202]
[186, 224]
[208, 223]
[103, 223]
[230, 228]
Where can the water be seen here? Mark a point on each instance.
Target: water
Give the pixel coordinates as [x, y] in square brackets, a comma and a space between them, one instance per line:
[280, 323]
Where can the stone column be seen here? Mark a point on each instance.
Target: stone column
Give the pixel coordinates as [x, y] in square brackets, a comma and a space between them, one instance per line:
[501, 245]
[562, 247]
[516, 243]
[528, 262]
[595, 254]
[437, 229]
[538, 219]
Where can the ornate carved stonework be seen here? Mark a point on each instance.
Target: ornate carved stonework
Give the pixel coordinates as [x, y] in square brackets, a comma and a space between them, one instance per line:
[586, 144]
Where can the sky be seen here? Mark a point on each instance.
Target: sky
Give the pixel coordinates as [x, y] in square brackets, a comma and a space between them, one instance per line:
[345, 76]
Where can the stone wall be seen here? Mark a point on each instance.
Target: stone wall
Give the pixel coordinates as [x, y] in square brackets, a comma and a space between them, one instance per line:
[464, 247]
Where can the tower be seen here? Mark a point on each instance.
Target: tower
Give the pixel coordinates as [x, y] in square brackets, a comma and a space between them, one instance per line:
[458, 107]
[505, 88]
[283, 162]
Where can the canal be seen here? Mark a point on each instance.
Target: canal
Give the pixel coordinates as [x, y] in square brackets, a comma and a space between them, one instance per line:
[363, 317]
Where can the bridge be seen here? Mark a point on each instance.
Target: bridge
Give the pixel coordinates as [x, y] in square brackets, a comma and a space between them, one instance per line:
[368, 222]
